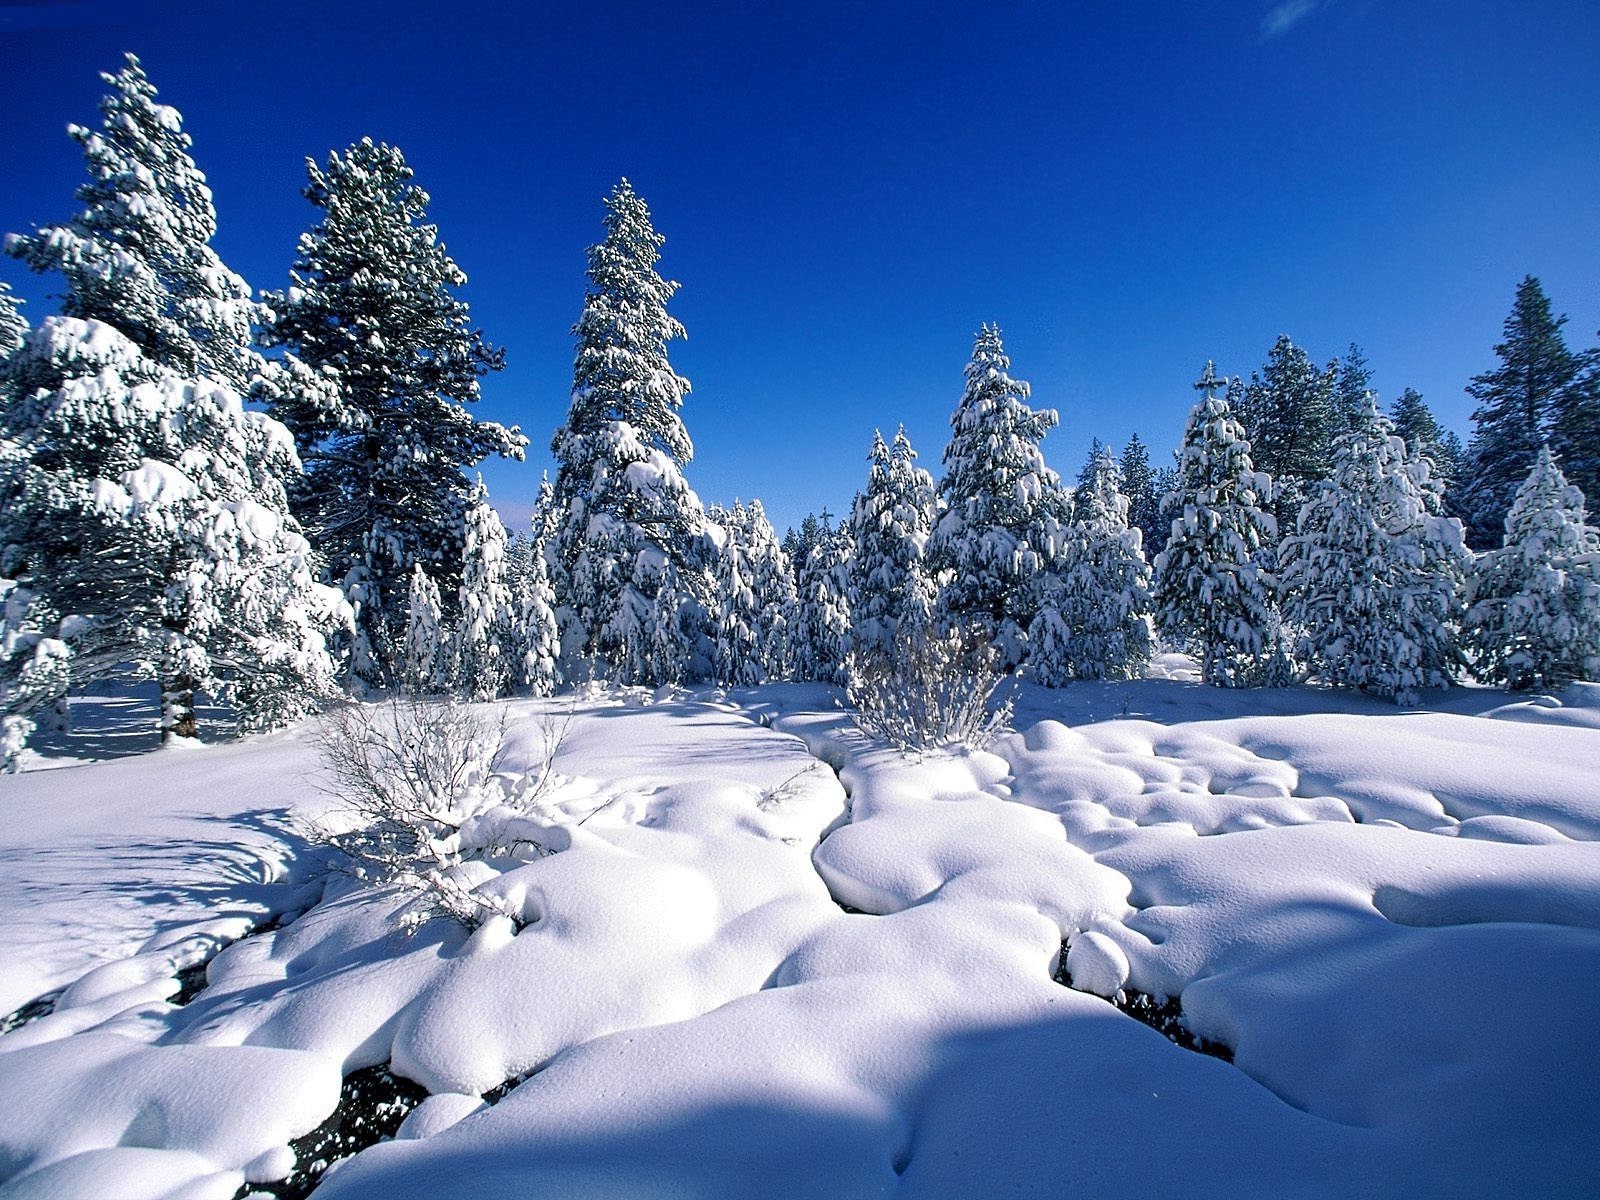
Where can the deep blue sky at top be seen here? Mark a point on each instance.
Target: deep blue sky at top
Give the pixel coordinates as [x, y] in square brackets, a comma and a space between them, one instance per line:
[1129, 187]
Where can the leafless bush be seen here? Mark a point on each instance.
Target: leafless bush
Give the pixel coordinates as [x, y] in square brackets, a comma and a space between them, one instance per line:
[421, 799]
[936, 690]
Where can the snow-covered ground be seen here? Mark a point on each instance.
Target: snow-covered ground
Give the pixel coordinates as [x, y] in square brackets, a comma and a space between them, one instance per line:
[768, 959]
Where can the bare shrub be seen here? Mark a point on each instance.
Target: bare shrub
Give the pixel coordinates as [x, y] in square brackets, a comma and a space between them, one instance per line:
[422, 800]
[936, 690]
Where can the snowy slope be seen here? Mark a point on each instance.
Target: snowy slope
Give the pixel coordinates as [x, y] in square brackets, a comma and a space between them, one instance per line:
[771, 959]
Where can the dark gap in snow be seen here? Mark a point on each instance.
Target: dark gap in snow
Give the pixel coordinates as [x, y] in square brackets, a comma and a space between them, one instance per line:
[192, 979]
[1164, 1014]
[501, 1090]
[39, 1006]
[372, 1104]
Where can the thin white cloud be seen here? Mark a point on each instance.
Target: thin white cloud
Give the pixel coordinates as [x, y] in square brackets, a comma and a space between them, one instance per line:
[1287, 15]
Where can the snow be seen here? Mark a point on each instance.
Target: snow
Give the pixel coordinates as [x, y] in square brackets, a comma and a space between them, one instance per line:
[770, 957]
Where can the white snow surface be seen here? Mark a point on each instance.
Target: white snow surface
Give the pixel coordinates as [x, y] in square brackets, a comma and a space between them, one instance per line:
[770, 958]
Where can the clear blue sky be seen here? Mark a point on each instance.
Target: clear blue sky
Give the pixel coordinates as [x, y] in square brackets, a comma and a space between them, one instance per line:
[1129, 187]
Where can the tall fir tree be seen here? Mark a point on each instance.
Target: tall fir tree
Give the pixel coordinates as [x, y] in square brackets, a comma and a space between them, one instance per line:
[148, 529]
[1143, 494]
[1213, 591]
[427, 664]
[485, 618]
[1517, 405]
[144, 523]
[1352, 390]
[1289, 417]
[891, 591]
[1534, 603]
[1094, 610]
[1373, 574]
[385, 432]
[1004, 509]
[629, 524]
[1575, 427]
[138, 256]
[821, 621]
[536, 637]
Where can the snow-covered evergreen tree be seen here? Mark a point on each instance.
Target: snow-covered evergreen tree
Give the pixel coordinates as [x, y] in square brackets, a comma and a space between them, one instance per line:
[1003, 506]
[891, 592]
[1352, 390]
[1094, 609]
[628, 518]
[149, 530]
[13, 326]
[372, 313]
[1415, 423]
[1373, 575]
[755, 588]
[1288, 415]
[427, 654]
[535, 638]
[1534, 604]
[1213, 593]
[1537, 377]
[1140, 486]
[484, 624]
[820, 624]
[138, 257]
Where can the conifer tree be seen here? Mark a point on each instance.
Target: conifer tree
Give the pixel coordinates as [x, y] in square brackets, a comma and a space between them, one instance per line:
[1517, 402]
[1213, 593]
[1144, 497]
[148, 529]
[821, 622]
[1288, 415]
[1352, 388]
[891, 592]
[536, 641]
[12, 323]
[138, 257]
[629, 524]
[1094, 612]
[1373, 575]
[1415, 424]
[1575, 427]
[372, 313]
[1003, 507]
[484, 625]
[427, 664]
[1534, 603]
[756, 589]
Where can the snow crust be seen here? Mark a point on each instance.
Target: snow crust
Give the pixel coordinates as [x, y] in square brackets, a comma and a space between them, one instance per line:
[771, 958]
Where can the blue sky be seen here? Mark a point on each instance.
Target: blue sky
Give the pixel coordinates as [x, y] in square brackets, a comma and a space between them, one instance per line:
[1128, 187]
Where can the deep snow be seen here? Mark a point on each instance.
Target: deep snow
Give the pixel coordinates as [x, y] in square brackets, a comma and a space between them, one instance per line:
[769, 958]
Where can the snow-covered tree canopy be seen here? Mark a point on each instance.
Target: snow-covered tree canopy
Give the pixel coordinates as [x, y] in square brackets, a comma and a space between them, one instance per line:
[1373, 575]
[1534, 619]
[383, 427]
[1003, 506]
[148, 527]
[138, 256]
[628, 520]
[1212, 589]
[890, 589]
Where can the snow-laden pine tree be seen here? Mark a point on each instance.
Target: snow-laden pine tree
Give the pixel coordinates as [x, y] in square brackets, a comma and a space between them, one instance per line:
[1373, 575]
[1352, 390]
[426, 655]
[1517, 401]
[820, 622]
[1094, 607]
[1288, 415]
[138, 256]
[12, 323]
[756, 594]
[1533, 619]
[371, 312]
[1415, 423]
[891, 591]
[1003, 506]
[628, 519]
[484, 620]
[1142, 491]
[1213, 593]
[535, 639]
[149, 530]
